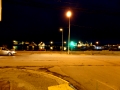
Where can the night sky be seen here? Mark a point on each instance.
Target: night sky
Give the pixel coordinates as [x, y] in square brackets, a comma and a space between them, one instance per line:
[40, 20]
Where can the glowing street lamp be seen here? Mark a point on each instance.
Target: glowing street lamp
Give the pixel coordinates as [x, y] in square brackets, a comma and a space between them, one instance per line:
[97, 42]
[79, 42]
[62, 37]
[64, 42]
[61, 29]
[69, 15]
[51, 42]
[14, 41]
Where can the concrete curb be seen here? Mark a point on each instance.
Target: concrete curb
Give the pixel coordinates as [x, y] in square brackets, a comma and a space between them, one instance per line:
[63, 84]
[61, 87]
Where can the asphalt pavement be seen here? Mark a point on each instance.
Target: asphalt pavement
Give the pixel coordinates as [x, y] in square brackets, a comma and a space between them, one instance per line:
[20, 77]
[81, 72]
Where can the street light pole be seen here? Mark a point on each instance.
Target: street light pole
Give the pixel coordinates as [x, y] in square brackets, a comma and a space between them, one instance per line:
[69, 15]
[69, 38]
[62, 37]
[62, 40]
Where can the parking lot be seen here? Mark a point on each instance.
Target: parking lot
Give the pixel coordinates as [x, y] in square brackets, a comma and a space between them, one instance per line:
[91, 72]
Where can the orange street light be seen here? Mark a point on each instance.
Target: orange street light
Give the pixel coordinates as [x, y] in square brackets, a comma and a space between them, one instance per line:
[97, 43]
[51, 42]
[61, 29]
[69, 14]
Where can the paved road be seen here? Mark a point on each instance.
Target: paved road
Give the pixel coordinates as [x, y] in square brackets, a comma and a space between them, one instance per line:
[92, 72]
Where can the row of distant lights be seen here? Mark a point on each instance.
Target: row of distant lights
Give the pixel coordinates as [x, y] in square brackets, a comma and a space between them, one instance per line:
[51, 42]
[78, 42]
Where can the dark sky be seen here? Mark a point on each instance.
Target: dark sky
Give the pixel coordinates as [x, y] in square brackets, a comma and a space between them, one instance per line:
[40, 20]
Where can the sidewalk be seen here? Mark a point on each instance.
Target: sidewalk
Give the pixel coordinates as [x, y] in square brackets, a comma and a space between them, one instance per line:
[22, 79]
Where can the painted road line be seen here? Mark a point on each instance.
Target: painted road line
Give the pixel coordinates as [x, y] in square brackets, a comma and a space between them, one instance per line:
[106, 85]
[61, 87]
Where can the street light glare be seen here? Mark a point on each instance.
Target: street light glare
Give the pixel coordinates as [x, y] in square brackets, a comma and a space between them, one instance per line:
[97, 42]
[61, 29]
[64, 42]
[51, 42]
[69, 14]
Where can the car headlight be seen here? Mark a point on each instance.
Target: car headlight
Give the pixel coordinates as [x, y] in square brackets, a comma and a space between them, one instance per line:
[13, 52]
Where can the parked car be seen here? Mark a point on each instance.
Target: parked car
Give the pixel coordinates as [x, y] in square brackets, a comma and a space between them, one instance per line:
[114, 48]
[5, 51]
